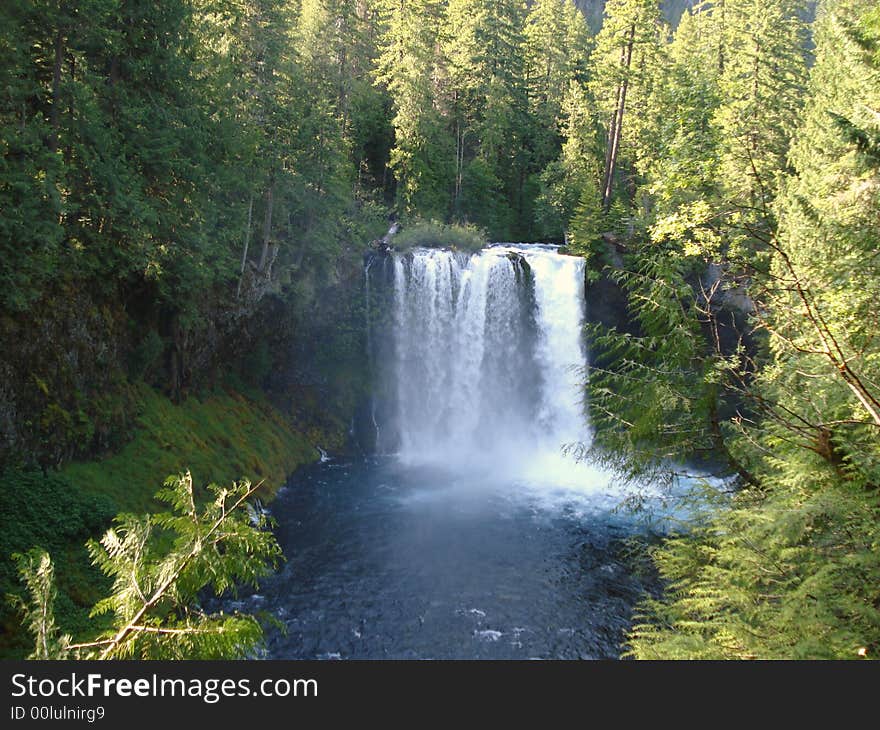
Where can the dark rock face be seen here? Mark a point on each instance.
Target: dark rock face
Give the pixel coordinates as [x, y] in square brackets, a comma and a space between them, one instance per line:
[321, 371]
[731, 308]
[729, 330]
[606, 309]
[606, 305]
[70, 361]
[63, 380]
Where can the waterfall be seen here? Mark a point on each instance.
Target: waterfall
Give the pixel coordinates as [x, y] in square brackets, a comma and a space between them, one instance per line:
[487, 358]
[368, 313]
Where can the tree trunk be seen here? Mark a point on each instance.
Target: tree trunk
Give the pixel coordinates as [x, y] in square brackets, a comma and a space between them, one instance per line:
[55, 111]
[459, 163]
[614, 133]
[608, 174]
[267, 228]
[68, 151]
[247, 243]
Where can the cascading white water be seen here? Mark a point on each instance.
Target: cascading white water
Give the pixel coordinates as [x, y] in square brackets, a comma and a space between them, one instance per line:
[488, 354]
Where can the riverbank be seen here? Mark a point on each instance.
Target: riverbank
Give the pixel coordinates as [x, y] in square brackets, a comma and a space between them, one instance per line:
[223, 436]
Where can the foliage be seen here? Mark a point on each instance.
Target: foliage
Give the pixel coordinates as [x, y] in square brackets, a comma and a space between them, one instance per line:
[47, 510]
[628, 55]
[222, 436]
[159, 156]
[575, 172]
[38, 575]
[159, 564]
[406, 67]
[477, 88]
[225, 435]
[430, 234]
[790, 574]
[587, 223]
[751, 275]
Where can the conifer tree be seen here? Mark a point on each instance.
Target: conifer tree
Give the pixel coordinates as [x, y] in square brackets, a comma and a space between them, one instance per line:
[679, 159]
[556, 51]
[573, 178]
[408, 66]
[761, 87]
[482, 42]
[159, 564]
[788, 567]
[623, 65]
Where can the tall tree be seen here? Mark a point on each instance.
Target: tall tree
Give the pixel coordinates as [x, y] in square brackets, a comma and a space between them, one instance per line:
[679, 158]
[623, 65]
[571, 181]
[761, 85]
[556, 53]
[261, 70]
[30, 227]
[408, 67]
[482, 42]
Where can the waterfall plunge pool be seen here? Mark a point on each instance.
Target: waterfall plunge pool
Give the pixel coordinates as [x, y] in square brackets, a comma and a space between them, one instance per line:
[389, 561]
[475, 537]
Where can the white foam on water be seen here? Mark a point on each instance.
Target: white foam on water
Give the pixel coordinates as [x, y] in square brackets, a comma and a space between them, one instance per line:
[488, 635]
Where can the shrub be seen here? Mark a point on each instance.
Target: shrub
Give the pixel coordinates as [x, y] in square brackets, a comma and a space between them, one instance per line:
[431, 234]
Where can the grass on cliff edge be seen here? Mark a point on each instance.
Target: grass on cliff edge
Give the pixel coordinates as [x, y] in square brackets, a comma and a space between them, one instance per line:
[221, 438]
[431, 234]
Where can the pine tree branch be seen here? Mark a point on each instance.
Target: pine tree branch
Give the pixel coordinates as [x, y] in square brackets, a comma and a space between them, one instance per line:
[129, 628]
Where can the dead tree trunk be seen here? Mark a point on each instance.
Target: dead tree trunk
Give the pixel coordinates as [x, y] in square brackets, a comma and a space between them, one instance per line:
[267, 228]
[615, 129]
[247, 243]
